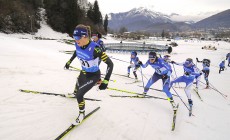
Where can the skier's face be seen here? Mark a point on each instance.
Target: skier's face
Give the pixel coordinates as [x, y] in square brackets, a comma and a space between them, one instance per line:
[188, 64]
[132, 56]
[152, 60]
[82, 41]
[167, 59]
[95, 38]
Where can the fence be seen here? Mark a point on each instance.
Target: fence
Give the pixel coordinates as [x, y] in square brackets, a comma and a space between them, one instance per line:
[140, 48]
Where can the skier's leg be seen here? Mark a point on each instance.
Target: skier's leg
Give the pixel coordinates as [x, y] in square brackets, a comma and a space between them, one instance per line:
[84, 83]
[134, 72]
[197, 81]
[151, 81]
[177, 80]
[188, 90]
[129, 67]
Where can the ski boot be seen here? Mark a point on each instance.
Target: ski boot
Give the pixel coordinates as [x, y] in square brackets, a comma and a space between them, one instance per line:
[128, 75]
[172, 103]
[142, 95]
[80, 117]
[136, 80]
[71, 95]
[190, 102]
[207, 85]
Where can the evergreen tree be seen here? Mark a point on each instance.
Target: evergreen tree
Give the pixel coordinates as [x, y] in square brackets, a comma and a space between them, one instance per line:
[97, 18]
[72, 15]
[106, 23]
[163, 34]
[90, 13]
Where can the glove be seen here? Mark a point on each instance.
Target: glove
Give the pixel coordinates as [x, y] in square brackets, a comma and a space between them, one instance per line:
[201, 73]
[104, 84]
[173, 62]
[186, 73]
[67, 64]
[140, 63]
[164, 76]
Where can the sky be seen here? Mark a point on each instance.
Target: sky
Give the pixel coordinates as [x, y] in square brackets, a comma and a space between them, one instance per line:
[182, 7]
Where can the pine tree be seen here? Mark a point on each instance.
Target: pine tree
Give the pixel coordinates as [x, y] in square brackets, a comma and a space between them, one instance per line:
[90, 13]
[72, 15]
[106, 23]
[163, 34]
[97, 18]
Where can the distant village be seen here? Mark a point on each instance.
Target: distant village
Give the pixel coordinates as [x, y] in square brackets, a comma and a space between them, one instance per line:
[221, 34]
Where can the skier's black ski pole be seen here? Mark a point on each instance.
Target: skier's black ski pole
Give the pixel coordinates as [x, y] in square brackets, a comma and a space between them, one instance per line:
[176, 74]
[180, 98]
[212, 87]
[142, 78]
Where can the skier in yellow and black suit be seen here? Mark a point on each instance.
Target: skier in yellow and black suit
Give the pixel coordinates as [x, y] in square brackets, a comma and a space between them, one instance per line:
[89, 53]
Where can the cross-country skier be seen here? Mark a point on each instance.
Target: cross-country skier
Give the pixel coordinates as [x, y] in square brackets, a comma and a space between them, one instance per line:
[205, 70]
[89, 53]
[162, 71]
[222, 66]
[228, 58]
[133, 64]
[167, 58]
[97, 39]
[190, 73]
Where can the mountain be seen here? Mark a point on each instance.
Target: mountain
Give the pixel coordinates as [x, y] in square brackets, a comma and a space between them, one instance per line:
[137, 19]
[142, 19]
[221, 19]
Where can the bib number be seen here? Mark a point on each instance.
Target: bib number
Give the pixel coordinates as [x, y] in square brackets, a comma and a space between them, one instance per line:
[84, 63]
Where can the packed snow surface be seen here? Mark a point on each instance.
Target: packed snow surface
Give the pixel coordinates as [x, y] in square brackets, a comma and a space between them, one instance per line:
[38, 65]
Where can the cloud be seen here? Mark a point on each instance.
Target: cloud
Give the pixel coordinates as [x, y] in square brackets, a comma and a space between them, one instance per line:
[195, 18]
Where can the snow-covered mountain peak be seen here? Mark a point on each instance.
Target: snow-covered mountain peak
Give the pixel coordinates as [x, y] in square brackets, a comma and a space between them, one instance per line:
[147, 12]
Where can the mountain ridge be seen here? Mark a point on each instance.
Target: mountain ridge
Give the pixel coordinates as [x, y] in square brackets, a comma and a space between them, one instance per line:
[143, 19]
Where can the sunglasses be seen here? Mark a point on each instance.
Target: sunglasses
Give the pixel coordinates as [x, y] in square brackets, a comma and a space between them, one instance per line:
[152, 58]
[77, 37]
[94, 37]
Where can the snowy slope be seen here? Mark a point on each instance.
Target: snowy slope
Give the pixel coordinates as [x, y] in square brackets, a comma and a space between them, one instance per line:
[45, 32]
[38, 65]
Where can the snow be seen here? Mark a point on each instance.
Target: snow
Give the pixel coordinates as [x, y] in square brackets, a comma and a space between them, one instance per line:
[45, 32]
[38, 65]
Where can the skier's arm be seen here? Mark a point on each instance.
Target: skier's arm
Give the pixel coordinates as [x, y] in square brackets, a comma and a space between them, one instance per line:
[197, 60]
[103, 56]
[130, 60]
[101, 43]
[144, 65]
[70, 61]
[73, 56]
[196, 72]
[179, 64]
